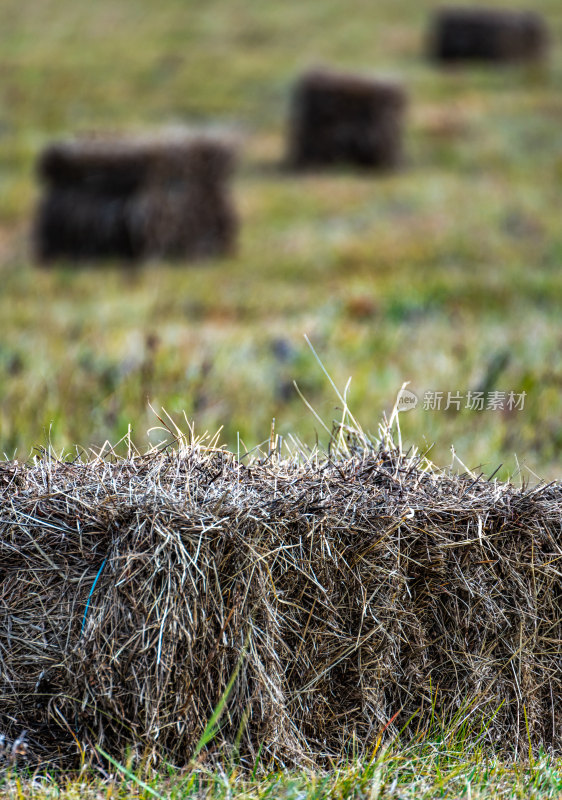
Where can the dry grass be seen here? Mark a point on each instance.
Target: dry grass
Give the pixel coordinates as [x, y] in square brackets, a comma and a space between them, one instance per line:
[338, 590]
[137, 198]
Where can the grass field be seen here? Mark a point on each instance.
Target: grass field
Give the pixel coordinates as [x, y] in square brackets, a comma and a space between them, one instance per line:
[434, 275]
[442, 769]
[445, 274]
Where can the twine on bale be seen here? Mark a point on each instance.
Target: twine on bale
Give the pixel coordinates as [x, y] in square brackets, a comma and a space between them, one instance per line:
[100, 570]
[342, 590]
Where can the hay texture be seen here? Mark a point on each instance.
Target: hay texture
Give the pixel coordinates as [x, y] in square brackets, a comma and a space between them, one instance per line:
[341, 118]
[480, 34]
[336, 591]
[133, 199]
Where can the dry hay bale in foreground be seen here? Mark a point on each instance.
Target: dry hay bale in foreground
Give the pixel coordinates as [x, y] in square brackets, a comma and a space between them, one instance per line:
[337, 592]
[137, 198]
[341, 118]
[477, 33]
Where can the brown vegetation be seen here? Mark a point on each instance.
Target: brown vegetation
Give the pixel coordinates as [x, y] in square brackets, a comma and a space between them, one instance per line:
[136, 199]
[339, 590]
[487, 34]
[340, 118]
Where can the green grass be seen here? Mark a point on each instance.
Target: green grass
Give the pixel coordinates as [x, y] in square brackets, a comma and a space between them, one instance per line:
[426, 275]
[418, 772]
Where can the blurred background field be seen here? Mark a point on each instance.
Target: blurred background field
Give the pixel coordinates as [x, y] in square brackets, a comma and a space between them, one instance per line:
[446, 274]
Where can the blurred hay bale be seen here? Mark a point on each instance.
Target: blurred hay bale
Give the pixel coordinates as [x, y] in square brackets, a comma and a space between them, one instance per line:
[477, 33]
[161, 197]
[344, 589]
[340, 118]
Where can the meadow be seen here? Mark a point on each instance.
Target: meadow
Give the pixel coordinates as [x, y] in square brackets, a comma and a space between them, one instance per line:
[445, 273]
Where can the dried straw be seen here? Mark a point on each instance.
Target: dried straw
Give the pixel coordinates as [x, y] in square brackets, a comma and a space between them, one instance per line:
[468, 33]
[343, 587]
[346, 118]
[133, 198]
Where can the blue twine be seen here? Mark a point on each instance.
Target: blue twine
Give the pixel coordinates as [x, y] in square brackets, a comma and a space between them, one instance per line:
[90, 595]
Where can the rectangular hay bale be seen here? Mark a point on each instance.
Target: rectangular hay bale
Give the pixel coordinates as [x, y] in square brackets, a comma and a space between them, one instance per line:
[475, 33]
[342, 118]
[165, 197]
[337, 592]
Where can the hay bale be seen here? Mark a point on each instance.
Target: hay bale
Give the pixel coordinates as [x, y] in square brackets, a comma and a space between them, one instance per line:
[136, 199]
[337, 591]
[459, 34]
[340, 118]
